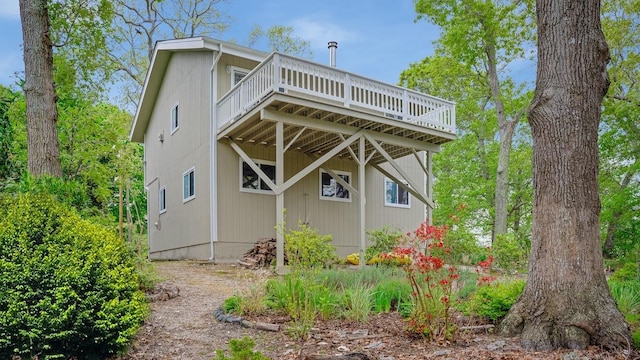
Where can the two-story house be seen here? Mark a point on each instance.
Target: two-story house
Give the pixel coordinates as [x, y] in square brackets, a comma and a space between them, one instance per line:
[233, 137]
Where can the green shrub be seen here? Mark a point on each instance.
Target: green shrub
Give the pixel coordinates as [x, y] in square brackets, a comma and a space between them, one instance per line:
[241, 349]
[382, 241]
[508, 254]
[70, 289]
[305, 248]
[493, 302]
[628, 272]
[464, 247]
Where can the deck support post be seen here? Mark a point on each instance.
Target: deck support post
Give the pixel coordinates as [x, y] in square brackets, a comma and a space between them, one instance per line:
[429, 184]
[280, 224]
[361, 188]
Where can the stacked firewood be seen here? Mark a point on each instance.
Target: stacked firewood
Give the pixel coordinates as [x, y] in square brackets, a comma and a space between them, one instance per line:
[262, 254]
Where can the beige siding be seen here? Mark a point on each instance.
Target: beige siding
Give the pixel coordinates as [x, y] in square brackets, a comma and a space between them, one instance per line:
[224, 67]
[379, 215]
[183, 225]
[246, 217]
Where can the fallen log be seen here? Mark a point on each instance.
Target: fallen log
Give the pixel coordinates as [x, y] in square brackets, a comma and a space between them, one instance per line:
[477, 327]
[351, 356]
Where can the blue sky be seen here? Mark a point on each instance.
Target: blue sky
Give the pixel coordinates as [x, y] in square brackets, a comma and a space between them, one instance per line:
[376, 38]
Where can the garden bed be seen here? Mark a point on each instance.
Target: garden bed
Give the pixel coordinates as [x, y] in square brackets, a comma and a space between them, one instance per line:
[184, 327]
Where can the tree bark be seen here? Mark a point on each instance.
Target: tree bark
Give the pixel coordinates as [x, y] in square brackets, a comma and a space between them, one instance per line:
[566, 302]
[40, 94]
[506, 129]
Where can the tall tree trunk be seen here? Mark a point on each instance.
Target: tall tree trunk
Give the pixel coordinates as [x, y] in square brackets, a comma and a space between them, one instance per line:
[40, 93]
[506, 129]
[566, 302]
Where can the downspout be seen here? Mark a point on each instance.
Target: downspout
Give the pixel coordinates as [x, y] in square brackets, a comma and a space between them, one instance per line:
[146, 188]
[213, 161]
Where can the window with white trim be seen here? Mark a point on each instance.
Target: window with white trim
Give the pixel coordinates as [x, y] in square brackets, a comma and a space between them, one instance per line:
[237, 74]
[175, 119]
[189, 185]
[331, 189]
[162, 199]
[395, 195]
[251, 182]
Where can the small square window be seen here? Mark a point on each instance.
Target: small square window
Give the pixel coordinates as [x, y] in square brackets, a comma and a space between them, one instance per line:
[162, 199]
[188, 185]
[251, 182]
[331, 189]
[237, 74]
[175, 120]
[395, 195]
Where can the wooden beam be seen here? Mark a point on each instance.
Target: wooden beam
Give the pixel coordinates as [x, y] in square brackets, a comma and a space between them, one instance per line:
[321, 160]
[294, 139]
[362, 200]
[280, 225]
[254, 166]
[331, 127]
[410, 190]
[414, 189]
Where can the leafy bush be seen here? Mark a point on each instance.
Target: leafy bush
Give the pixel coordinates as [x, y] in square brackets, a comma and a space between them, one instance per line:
[382, 241]
[70, 289]
[305, 248]
[494, 302]
[628, 272]
[241, 349]
[508, 253]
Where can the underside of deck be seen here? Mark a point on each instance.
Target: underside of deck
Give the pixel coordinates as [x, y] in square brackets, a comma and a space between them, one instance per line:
[315, 128]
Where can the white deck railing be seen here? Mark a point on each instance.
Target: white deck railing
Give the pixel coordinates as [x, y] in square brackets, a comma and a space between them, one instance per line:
[286, 74]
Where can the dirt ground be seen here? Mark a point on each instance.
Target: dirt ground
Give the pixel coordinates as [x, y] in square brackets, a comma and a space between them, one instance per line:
[185, 327]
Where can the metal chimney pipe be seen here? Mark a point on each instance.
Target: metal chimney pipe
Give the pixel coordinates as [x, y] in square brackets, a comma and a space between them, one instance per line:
[333, 45]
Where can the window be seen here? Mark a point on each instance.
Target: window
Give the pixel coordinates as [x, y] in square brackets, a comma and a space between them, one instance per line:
[251, 182]
[330, 189]
[175, 121]
[189, 185]
[237, 74]
[394, 195]
[162, 199]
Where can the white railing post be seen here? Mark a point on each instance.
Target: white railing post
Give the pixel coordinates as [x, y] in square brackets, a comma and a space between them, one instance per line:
[405, 105]
[277, 72]
[347, 90]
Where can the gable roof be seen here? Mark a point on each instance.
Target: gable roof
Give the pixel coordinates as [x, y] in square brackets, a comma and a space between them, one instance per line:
[161, 56]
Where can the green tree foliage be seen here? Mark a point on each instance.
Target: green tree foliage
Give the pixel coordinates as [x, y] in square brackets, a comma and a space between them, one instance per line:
[480, 39]
[7, 166]
[619, 143]
[280, 38]
[94, 151]
[69, 287]
[80, 30]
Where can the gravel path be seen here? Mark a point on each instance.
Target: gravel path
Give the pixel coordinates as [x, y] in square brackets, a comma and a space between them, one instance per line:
[184, 327]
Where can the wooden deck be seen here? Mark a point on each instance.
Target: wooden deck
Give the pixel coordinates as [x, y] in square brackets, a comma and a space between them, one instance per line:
[322, 105]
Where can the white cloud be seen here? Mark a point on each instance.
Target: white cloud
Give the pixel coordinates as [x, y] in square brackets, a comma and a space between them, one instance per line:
[9, 9]
[319, 33]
